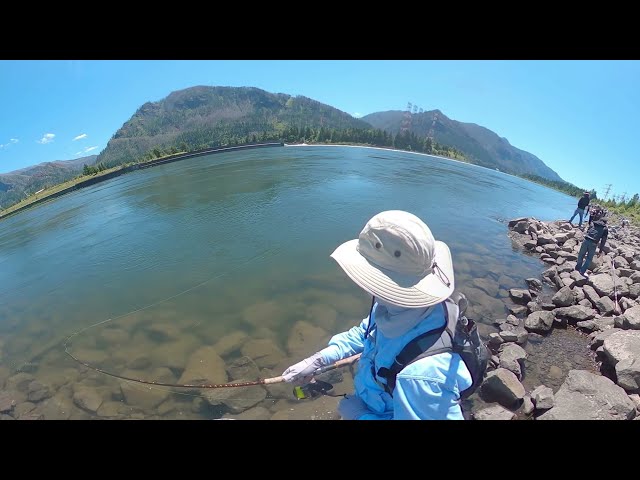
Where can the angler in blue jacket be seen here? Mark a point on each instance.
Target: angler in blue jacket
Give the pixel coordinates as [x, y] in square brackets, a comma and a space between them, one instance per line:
[409, 274]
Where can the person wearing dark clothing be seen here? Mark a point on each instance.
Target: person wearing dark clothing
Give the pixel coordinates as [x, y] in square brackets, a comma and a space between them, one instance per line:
[582, 204]
[597, 233]
[596, 212]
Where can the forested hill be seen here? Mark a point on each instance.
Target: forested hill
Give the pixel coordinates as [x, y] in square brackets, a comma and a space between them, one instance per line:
[14, 186]
[479, 144]
[201, 117]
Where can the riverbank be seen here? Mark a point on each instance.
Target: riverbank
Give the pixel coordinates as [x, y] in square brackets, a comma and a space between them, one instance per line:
[603, 304]
[72, 185]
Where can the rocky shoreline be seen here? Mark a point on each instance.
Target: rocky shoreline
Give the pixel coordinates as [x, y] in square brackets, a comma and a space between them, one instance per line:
[604, 304]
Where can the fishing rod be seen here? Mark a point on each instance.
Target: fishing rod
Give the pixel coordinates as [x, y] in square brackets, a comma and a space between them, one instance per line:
[615, 289]
[263, 381]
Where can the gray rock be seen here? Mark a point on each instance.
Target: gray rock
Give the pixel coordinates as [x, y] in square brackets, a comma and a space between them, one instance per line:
[38, 392]
[237, 399]
[542, 398]
[87, 398]
[632, 318]
[602, 283]
[495, 339]
[563, 297]
[256, 413]
[600, 337]
[515, 221]
[512, 357]
[494, 412]
[513, 320]
[518, 335]
[605, 305]
[586, 303]
[521, 227]
[487, 285]
[626, 304]
[586, 396]
[561, 237]
[622, 350]
[230, 343]
[502, 386]
[568, 282]
[533, 307]
[620, 262]
[580, 279]
[7, 402]
[625, 272]
[634, 290]
[591, 294]
[520, 295]
[578, 294]
[545, 239]
[527, 405]
[518, 310]
[539, 322]
[534, 284]
[204, 366]
[575, 313]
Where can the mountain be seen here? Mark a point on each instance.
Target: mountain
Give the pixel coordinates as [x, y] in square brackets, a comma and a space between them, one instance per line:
[479, 144]
[202, 117]
[15, 185]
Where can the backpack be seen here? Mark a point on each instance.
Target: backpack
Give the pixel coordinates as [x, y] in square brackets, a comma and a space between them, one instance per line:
[459, 335]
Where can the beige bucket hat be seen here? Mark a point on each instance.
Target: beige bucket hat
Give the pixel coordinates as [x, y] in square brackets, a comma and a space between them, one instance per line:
[396, 259]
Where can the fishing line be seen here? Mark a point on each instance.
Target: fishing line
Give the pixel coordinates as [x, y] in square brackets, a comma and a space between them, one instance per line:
[67, 341]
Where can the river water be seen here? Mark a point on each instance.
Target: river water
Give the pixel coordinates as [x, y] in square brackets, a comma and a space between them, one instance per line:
[232, 247]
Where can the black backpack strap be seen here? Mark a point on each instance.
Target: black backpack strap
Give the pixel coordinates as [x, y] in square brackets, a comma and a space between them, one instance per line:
[414, 349]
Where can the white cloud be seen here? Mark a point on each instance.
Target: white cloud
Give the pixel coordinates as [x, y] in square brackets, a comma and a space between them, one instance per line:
[11, 141]
[357, 115]
[86, 150]
[80, 137]
[47, 138]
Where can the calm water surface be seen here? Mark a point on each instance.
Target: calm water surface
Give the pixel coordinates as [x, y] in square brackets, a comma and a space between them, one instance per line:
[230, 251]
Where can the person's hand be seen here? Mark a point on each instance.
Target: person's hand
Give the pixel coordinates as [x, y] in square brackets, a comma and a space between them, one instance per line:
[301, 372]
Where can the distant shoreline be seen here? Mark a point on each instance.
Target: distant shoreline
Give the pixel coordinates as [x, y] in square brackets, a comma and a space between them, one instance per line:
[414, 153]
[181, 156]
[136, 166]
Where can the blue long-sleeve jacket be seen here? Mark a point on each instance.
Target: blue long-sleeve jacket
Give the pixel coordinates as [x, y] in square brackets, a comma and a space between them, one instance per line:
[428, 389]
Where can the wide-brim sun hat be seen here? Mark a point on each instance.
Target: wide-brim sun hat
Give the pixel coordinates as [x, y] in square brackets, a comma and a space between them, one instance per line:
[397, 259]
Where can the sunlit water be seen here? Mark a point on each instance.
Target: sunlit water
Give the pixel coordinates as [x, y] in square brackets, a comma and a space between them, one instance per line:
[232, 247]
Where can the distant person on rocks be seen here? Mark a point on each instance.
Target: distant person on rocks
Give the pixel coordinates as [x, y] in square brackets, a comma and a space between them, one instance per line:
[583, 204]
[596, 212]
[410, 275]
[597, 233]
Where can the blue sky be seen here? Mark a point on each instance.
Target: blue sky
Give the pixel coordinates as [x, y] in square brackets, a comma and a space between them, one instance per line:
[579, 117]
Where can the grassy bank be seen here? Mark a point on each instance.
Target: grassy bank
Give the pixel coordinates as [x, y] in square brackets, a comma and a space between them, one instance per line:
[86, 180]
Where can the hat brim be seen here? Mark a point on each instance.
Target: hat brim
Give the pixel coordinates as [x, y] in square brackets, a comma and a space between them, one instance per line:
[402, 290]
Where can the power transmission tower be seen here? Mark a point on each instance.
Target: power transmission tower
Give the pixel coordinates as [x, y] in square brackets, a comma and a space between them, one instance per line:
[433, 124]
[406, 119]
[624, 197]
[606, 193]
